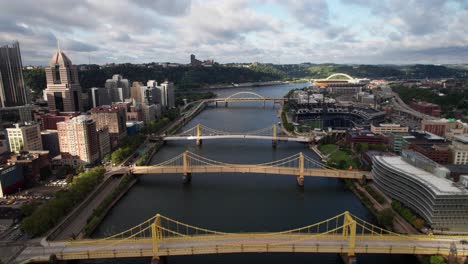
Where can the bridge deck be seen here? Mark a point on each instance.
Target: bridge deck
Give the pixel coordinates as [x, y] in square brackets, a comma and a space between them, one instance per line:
[240, 136]
[309, 172]
[244, 243]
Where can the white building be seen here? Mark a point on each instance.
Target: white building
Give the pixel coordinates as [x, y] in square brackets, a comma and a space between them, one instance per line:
[167, 95]
[438, 200]
[459, 149]
[26, 136]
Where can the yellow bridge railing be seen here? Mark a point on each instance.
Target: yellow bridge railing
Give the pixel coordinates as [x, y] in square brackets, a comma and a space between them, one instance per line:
[344, 233]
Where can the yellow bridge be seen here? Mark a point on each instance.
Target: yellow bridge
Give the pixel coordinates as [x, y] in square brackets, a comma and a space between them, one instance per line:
[201, 132]
[299, 165]
[161, 236]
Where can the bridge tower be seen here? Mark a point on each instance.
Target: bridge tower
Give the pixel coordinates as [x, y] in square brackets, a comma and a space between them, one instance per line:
[349, 231]
[199, 134]
[156, 236]
[300, 177]
[274, 141]
[186, 164]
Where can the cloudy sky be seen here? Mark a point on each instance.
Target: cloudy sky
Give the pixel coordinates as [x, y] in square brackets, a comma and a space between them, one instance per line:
[277, 31]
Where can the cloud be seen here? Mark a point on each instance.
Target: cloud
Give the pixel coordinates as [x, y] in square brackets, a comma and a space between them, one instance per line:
[346, 31]
[167, 8]
[75, 45]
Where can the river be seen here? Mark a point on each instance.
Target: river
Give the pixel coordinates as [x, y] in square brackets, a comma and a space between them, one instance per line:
[239, 202]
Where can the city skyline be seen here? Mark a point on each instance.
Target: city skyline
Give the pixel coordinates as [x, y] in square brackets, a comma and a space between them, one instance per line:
[269, 31]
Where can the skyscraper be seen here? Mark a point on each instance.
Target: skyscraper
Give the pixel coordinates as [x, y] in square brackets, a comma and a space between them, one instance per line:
[63, 88]
[12, 89]
[115, 83]
[167, 95]
[78, 140]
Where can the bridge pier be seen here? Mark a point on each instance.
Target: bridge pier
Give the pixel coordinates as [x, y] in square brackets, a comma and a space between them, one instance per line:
[187, 178]
[216, 104]
[159, 260]
[199, 142]
[300, 181]
[348, 259]
[274, 143]
[225, 104]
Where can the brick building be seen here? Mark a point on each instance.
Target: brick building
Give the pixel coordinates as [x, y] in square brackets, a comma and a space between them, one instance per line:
[113, 118]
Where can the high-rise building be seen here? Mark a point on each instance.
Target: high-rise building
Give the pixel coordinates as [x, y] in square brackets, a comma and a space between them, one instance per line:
[12, 89]
[16, 114]
[150, 112]
[104, 142]
[25, 136]
[63, 88]
[113, 118]
[50, 142]
[167, 95]
[99, 96]
[118, 82]
[153, 93]
[138, 92]
[78, 141]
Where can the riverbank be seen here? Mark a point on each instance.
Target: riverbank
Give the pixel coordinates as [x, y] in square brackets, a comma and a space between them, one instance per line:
[118, 193]
[243, 85]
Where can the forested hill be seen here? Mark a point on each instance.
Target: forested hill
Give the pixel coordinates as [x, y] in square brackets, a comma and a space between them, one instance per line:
[193, 77]
[183, 77]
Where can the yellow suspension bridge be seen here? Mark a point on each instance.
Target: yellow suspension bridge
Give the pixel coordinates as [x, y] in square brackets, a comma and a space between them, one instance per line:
[161, 236]
[201, 132]
[299, 165]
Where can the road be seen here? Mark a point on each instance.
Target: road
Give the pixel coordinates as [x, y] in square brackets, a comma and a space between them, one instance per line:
[77, 223]
[238, 243]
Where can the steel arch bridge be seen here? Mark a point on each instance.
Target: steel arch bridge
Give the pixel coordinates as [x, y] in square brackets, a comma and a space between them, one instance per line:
[161, 236]
[340, 74]
[255, 95]
[245, 96]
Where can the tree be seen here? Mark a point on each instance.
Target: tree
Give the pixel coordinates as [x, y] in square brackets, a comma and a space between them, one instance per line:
[342, 164]
[385, 217]
[437, 260]
[418, 223]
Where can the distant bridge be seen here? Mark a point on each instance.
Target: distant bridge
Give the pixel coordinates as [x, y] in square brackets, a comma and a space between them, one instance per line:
[245, 97]
[161, 236]
[201, 132]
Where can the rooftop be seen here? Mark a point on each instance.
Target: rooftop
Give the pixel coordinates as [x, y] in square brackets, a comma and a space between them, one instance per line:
[61, 59]
[439, 185]
[461, 138]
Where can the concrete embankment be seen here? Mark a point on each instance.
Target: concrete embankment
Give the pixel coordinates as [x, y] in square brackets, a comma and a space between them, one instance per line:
[315, 149]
